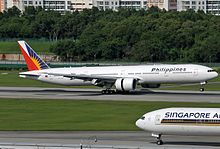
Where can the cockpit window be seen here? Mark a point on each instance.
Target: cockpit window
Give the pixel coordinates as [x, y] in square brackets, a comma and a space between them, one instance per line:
[211, 70]
[143, 117]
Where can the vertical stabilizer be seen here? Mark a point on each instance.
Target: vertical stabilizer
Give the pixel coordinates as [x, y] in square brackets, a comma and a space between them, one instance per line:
[33, 61]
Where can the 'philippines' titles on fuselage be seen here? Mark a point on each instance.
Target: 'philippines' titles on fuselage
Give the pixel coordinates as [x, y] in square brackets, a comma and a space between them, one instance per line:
[170, 69]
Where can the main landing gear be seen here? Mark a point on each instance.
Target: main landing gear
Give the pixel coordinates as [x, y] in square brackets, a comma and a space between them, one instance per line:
[108, 91]
[202, 86]
[158, 137]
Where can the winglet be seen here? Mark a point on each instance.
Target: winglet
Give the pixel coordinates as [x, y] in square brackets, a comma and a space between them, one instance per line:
[33, 61]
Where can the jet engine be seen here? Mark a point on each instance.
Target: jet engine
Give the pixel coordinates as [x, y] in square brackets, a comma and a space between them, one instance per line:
[150, 85]
[125, 84]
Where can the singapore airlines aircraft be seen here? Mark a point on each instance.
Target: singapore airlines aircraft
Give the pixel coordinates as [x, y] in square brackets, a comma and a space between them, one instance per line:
[123, 78]
[181, 121]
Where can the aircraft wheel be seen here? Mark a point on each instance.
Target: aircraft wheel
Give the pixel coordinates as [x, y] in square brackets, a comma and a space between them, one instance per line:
[108, 91]
[112, 92]
[202, 89]
[159, 142]
[103, 91]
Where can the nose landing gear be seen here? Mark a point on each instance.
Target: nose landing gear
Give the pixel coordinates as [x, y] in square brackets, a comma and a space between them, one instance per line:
[202, 86]
[201, 89]
[158, 137]
[159, 142]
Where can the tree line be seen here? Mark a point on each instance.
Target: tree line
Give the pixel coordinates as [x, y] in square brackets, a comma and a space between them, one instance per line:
[151, 35]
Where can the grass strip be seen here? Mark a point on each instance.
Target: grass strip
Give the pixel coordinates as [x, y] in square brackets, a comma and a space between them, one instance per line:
[11, 47]
[69, 115]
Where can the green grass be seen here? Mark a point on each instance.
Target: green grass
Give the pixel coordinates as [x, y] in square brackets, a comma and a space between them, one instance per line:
[11, 47]
[66, 115]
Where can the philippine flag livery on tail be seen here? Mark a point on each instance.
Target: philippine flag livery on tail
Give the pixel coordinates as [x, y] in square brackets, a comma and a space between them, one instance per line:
[34, 62]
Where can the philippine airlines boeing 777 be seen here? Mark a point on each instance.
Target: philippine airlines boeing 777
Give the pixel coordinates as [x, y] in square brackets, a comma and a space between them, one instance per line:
[181, 121]
[123, 78]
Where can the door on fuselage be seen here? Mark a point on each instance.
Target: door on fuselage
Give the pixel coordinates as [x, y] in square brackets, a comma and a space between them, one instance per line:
[195, 72]
[157, 120]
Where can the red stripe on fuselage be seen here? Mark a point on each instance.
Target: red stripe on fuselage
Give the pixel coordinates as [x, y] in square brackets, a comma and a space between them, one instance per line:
[29, 62]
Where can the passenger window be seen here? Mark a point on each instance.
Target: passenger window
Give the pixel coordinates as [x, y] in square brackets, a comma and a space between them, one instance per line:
[211, 70]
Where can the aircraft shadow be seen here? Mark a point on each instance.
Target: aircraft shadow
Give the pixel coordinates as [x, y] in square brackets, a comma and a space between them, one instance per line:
[87, 92]
[54, 91]
[178, 93]
[81, 93]
[213, 144]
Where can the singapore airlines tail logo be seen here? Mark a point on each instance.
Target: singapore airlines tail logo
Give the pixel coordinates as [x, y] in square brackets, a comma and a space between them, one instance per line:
[33, 61]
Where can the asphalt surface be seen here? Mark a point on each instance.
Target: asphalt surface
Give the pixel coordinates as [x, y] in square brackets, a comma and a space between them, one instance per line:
[125, 139]
[95, 94]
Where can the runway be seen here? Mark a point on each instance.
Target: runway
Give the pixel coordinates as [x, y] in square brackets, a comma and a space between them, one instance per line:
[95, 94]
[102, 139]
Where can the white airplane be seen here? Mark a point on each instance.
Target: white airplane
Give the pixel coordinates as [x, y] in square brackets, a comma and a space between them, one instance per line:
[181, 121]
[124, 78]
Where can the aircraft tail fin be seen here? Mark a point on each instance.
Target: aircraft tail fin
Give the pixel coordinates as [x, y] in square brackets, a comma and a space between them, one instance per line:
[33, 61]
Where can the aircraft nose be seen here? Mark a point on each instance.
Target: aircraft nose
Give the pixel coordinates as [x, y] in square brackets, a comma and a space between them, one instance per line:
[216, 74]
[139, 123]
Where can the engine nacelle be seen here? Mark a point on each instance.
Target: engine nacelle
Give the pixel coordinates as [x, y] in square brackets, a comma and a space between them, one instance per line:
[125, 84]
[150, 85]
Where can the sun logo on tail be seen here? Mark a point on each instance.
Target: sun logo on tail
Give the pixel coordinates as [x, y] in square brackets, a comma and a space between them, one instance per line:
[33, 61]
